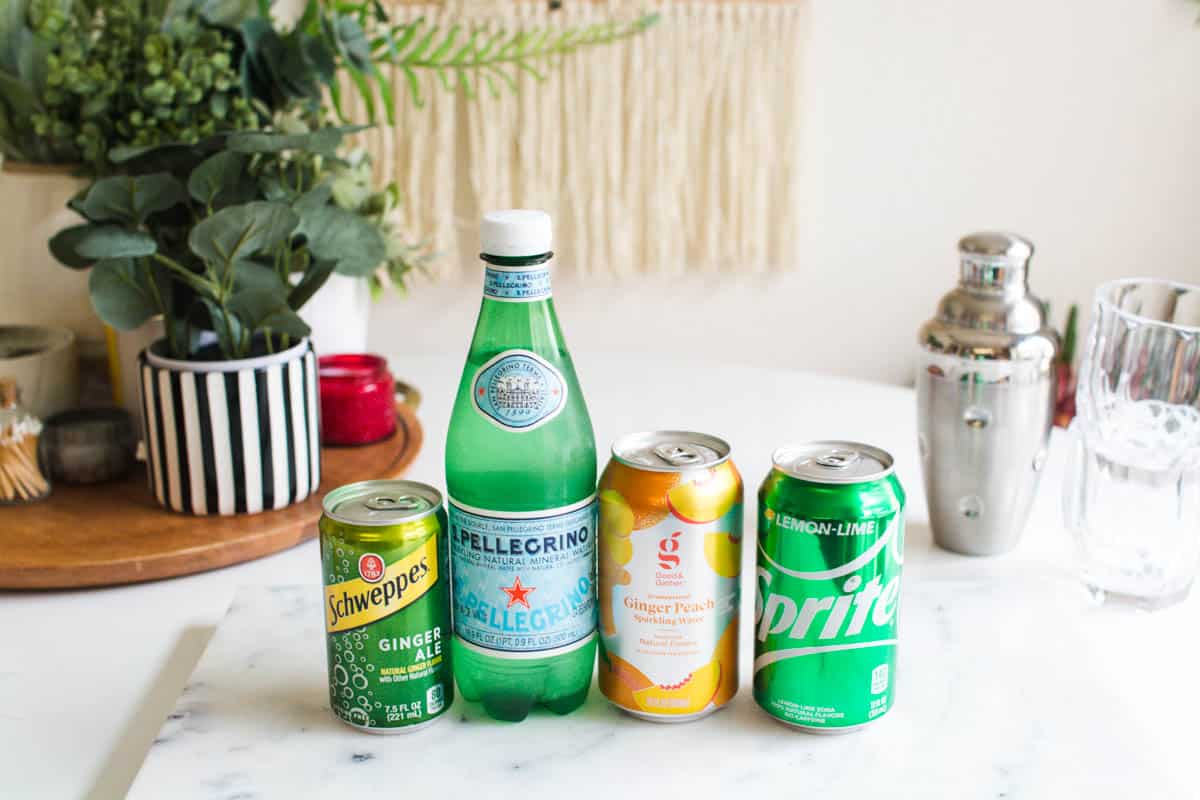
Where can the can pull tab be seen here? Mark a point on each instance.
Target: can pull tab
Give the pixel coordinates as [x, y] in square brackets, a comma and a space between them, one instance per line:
[391, 502]
[678, 455]
[838, 459]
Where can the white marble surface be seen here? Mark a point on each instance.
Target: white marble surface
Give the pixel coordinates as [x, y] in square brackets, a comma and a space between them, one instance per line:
[1004, 692]
[1071, 698]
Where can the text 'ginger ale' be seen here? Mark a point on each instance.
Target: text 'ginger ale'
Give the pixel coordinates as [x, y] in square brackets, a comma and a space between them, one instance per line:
[521, 474]
[670, 565]
[827, 588]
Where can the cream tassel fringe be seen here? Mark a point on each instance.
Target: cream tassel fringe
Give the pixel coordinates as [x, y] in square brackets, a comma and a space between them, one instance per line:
[675, 151]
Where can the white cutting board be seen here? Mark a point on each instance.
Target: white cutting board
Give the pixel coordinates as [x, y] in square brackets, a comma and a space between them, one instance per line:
[1013, 688]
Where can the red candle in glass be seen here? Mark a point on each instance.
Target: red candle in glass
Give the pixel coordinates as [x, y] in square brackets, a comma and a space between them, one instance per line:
[357, 399]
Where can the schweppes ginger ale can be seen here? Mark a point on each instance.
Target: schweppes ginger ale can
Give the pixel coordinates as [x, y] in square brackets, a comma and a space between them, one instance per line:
[387, 605]
[830, 551]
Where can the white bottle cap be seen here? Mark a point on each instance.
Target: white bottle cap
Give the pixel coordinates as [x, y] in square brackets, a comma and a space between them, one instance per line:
[515, 233]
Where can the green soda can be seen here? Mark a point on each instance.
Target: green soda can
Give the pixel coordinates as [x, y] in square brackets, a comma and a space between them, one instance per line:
[830, 550]
[387, 605]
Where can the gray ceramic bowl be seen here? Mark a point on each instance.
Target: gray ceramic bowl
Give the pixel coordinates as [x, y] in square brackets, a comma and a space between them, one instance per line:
[44, 363]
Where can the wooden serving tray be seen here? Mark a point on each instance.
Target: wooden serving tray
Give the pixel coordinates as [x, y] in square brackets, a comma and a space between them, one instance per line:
[116, 533]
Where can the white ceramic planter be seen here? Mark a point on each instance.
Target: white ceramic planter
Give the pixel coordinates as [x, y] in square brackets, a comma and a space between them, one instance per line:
[34, 288]
[231, 437]
[338, 314]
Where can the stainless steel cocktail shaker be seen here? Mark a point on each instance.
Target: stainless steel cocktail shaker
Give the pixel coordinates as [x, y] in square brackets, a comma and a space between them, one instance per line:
[985, 396]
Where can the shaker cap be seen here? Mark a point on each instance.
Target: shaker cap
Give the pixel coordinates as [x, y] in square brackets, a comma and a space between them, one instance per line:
[516, 233]
[996, 245]
[994, 259]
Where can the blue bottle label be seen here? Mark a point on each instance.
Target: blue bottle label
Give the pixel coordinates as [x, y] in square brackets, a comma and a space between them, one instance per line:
[518, 391]
[517, 285]
[524, 582]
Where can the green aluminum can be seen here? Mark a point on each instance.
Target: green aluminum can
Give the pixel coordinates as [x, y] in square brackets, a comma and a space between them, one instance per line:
[386, 570]
[830, 551]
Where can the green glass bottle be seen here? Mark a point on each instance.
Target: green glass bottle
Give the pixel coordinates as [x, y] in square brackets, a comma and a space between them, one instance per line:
[521, 474]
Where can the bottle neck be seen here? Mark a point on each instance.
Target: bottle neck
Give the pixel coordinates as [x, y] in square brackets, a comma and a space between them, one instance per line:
[517, 280]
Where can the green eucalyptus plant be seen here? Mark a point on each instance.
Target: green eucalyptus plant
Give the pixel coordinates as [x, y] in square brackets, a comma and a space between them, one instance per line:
[229, 235]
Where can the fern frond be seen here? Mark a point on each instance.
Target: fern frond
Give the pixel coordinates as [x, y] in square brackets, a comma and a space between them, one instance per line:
[461, 59]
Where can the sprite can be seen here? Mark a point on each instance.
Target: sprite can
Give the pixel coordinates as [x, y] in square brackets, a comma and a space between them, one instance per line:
[387, 605]
[830, 550]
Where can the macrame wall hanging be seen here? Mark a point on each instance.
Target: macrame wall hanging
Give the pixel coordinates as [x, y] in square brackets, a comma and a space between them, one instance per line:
[670, 152]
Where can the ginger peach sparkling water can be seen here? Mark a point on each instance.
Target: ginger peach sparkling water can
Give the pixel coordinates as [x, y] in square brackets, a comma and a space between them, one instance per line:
[669, 561]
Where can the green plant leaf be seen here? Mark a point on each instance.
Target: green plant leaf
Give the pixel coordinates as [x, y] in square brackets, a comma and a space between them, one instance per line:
[335, 96]
[221, 179]
[263, 308]
[414, 86]
[227, 13]
[236, 233]
[313, 201]
[294, 71]
[408, 31]
[413, 56]
[322, 59]
[364, 89]
[351, 241]
[228, 328]
[12, 22]
[194, 281]
[18, 103]
[125, 294]
[352, 42]
[130, 199]
[254, 275]
[444, 48]
[314, 278]
[175, 157]
[63, 244]
[323, 141]
[387, 95]
[108, 242]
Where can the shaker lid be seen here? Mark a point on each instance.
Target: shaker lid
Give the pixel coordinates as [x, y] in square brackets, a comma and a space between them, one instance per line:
[996, 246]
[994, 259]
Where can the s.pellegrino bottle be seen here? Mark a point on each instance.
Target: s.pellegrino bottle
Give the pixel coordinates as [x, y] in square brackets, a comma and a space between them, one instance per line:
[521, 474]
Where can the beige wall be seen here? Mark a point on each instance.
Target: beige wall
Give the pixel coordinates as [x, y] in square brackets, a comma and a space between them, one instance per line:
[1074, 122]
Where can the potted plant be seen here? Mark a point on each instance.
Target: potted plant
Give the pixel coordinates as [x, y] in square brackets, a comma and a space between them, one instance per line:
[222, 205]
[207, 236]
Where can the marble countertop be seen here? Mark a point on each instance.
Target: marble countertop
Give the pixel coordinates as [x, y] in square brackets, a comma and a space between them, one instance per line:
[1010, 684]
[996, 699]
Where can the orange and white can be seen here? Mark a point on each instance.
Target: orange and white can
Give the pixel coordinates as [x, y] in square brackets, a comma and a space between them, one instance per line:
[670, 554]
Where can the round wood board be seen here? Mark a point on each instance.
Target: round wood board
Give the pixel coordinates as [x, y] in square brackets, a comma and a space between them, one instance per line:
[116, 533]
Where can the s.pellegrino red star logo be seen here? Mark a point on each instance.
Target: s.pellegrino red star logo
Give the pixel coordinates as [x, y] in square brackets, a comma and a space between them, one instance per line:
[517, 593]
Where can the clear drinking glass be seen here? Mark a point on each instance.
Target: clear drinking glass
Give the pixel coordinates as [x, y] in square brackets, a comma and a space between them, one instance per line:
[1132, 489]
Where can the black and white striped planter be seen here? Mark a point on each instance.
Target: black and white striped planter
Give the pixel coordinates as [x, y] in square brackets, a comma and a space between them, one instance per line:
[232, 437]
